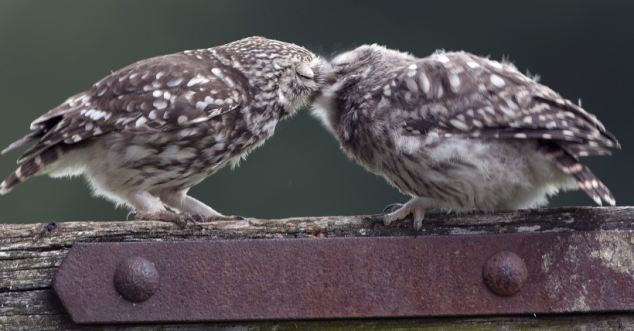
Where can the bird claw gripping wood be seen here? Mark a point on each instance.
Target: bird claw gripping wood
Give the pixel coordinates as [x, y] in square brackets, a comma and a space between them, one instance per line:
[183, 220]
[392, 207]
[414, 209]
[225, 218]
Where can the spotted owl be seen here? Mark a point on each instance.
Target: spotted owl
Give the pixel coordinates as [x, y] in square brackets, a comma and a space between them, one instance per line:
[145, 134]
[458, 131]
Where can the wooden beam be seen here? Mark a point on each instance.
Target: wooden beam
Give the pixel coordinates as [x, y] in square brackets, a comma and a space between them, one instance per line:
[27, 266]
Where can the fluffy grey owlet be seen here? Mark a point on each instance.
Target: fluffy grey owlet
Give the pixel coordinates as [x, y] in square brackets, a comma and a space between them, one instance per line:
[145, 134]
[458, 131]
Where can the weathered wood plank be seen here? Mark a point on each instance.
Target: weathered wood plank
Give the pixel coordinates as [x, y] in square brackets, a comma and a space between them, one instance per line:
[551, 323]
[27, 267]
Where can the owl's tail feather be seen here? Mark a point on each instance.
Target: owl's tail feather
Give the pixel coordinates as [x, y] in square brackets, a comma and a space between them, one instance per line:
[584, 177]
[30, 168]
[34, 135]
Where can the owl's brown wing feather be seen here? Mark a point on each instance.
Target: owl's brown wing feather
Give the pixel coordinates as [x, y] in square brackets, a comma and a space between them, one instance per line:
[474, 96]
[150, 95]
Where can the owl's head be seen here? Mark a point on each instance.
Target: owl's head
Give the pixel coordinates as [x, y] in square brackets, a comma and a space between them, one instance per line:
[301, 81]
[361, 69]
[282, 73]
[365, 58]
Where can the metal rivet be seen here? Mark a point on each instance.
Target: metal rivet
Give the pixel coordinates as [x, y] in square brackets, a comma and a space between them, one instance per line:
[136, 279]
[505, 273]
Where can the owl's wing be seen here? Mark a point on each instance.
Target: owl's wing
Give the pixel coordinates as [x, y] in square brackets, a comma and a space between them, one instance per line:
[159, 94]
[462, 94]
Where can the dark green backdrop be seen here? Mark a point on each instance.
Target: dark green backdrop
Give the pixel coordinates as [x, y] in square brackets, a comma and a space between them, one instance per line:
[52, 49]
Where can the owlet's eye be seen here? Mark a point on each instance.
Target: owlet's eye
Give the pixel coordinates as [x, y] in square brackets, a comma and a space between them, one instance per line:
[304, 71]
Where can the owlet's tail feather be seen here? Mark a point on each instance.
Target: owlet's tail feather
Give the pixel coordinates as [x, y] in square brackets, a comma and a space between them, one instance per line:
[586, 180]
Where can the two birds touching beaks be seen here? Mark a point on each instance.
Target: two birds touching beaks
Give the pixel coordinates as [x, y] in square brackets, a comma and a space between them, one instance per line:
[452, 130]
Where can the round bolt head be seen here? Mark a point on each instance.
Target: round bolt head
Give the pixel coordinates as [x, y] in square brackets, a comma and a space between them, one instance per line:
[136, 279]
[505, 273]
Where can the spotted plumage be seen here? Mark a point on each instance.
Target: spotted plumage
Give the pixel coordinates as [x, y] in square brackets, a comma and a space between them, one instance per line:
[146, 133]
[458, 131]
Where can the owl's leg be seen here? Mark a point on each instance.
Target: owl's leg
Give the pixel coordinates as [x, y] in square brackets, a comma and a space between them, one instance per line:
[150, 208]
[145, 203]
[415, 207]
[187, 205]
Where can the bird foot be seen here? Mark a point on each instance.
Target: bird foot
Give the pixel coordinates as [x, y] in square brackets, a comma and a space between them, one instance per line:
[392, 207]
[224, 218]
[397, 212]
[182, 220]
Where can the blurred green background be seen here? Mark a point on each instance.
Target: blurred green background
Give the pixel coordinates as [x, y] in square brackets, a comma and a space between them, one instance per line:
[50, 50]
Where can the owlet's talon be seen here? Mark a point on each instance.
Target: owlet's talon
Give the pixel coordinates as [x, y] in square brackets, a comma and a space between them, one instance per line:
[413, 209]
[131, 216]
[392, 207]
[417, 224]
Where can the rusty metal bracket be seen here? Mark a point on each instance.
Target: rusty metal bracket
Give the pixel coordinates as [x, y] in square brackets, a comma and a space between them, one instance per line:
[348, 277]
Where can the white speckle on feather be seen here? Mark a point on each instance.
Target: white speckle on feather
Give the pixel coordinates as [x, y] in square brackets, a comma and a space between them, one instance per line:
[497, 80]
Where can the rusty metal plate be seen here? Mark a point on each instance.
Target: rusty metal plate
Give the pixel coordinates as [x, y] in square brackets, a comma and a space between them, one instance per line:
[348, 277]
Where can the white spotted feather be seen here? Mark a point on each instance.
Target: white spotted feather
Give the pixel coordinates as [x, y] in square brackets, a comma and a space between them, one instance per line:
[146, 133]
[458, 131]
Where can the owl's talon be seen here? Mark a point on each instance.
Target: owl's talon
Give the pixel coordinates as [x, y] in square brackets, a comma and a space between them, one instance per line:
[187, 219]
[392, 207]
[413, 209]
[396, 216]
[157, 216]
[182, 220]
[131, 216]
[389, 219]
[417, 224]
[196, 218]
[225, 218]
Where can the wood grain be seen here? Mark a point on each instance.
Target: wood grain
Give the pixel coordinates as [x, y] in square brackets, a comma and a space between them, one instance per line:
[27, 267]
